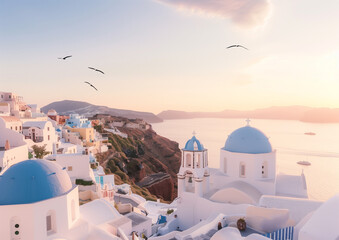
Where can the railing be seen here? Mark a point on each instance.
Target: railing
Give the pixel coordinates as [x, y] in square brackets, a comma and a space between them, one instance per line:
[281, 234]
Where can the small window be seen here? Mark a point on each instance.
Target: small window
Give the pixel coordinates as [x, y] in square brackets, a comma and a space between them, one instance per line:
[49, 223]
[16, 128]
[15, 228]
[242, 172]
[49, 138]
[264, 170]
[198, 162]
[188, 160]
[70, 168]
[47, 128]
[225, 165]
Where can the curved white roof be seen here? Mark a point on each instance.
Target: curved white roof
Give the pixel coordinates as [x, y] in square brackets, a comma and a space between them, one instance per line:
[38, 124]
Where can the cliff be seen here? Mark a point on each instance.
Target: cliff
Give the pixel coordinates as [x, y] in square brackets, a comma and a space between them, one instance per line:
[145, 160]
[159, 184]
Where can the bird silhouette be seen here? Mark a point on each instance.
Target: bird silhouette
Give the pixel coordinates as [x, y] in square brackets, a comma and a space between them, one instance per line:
[64, 58]
[96, 70]
[91, 85]
[232, 46]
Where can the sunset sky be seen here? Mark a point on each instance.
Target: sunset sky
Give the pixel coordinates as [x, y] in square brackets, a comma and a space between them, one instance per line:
[171, 54]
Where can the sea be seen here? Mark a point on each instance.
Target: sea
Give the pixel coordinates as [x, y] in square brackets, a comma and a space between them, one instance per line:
[286, 136]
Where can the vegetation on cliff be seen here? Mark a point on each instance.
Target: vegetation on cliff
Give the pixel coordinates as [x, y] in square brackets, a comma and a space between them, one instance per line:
[142, 154]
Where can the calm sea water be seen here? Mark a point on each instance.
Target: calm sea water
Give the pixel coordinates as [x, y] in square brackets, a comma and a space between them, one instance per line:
[287, 137]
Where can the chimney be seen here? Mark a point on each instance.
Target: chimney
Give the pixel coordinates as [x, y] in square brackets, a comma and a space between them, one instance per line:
[7, 145]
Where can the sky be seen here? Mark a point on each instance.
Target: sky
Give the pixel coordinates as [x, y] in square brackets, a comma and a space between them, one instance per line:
[171, 54]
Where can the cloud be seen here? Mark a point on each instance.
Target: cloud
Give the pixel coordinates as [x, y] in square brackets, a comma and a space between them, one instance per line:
[244, 13]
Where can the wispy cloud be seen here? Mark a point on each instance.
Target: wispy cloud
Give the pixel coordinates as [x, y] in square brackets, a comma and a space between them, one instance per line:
[244, 13]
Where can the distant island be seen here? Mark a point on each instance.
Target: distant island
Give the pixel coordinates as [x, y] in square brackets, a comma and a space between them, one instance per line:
[300, 113]
[66, 107]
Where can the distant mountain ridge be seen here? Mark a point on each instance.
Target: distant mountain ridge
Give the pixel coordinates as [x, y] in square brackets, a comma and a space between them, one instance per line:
[66, 107]
[301, 113]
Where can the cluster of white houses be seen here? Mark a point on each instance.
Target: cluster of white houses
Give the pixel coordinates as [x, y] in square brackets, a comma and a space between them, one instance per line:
[40, 199]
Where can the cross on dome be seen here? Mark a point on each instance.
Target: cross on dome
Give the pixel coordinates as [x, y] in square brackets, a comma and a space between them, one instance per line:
[248, 121]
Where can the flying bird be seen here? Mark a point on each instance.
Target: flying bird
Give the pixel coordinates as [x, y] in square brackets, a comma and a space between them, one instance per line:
[232, 46]
[96, 70]
[91, 85]
[64, 58]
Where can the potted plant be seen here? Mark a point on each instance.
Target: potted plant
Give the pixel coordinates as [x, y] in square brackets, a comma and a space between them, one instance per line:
[241, 224]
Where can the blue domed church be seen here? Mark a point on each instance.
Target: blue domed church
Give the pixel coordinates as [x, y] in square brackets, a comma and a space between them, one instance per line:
[38, 199]
[247, 156]
[246, 176]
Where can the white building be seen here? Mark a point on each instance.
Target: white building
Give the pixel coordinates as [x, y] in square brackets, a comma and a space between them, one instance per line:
[5, 109]
[247, 174]
[71, 137]
[15, 103]
[193, 175]
[38, 201]
[76, 165]
[247, 170]
[41, 133]
[13, 123]
[13, 148]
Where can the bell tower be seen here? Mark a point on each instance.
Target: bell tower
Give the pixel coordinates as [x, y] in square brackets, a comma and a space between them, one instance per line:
[193, 175]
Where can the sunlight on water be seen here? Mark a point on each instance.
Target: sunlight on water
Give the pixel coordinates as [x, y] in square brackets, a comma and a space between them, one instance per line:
[287, 137]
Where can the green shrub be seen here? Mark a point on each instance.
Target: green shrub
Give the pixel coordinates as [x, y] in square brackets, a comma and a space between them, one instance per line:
[121, 175]
[169, 211]
[83, 182]
[150, 199]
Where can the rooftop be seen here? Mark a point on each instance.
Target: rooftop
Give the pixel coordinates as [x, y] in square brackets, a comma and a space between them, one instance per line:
[32, 181]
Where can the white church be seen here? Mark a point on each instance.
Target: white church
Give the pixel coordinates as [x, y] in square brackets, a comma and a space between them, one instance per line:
[245, 185]
[38, 201]
[247, 170]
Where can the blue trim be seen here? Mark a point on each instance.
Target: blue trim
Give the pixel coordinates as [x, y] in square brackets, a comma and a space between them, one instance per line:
[281, 234]
[193, 145]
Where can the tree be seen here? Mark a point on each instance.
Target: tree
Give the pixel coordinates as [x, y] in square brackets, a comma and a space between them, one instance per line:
[39, 152]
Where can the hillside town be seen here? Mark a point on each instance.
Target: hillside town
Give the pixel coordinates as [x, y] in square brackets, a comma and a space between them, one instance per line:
[53, 187]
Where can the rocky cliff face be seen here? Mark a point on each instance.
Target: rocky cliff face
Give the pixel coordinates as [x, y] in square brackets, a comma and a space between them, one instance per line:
[159, 184]
[145, 160]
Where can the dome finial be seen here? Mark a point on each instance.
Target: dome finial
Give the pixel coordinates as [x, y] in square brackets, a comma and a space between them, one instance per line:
[248, 121]
[194, 133]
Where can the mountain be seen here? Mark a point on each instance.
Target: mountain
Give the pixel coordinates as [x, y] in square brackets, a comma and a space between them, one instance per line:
[301, 113]
[66, 107]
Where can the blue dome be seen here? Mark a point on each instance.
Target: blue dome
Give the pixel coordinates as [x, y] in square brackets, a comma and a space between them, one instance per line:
[248, 140]
[32, 181]
[193, 145]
